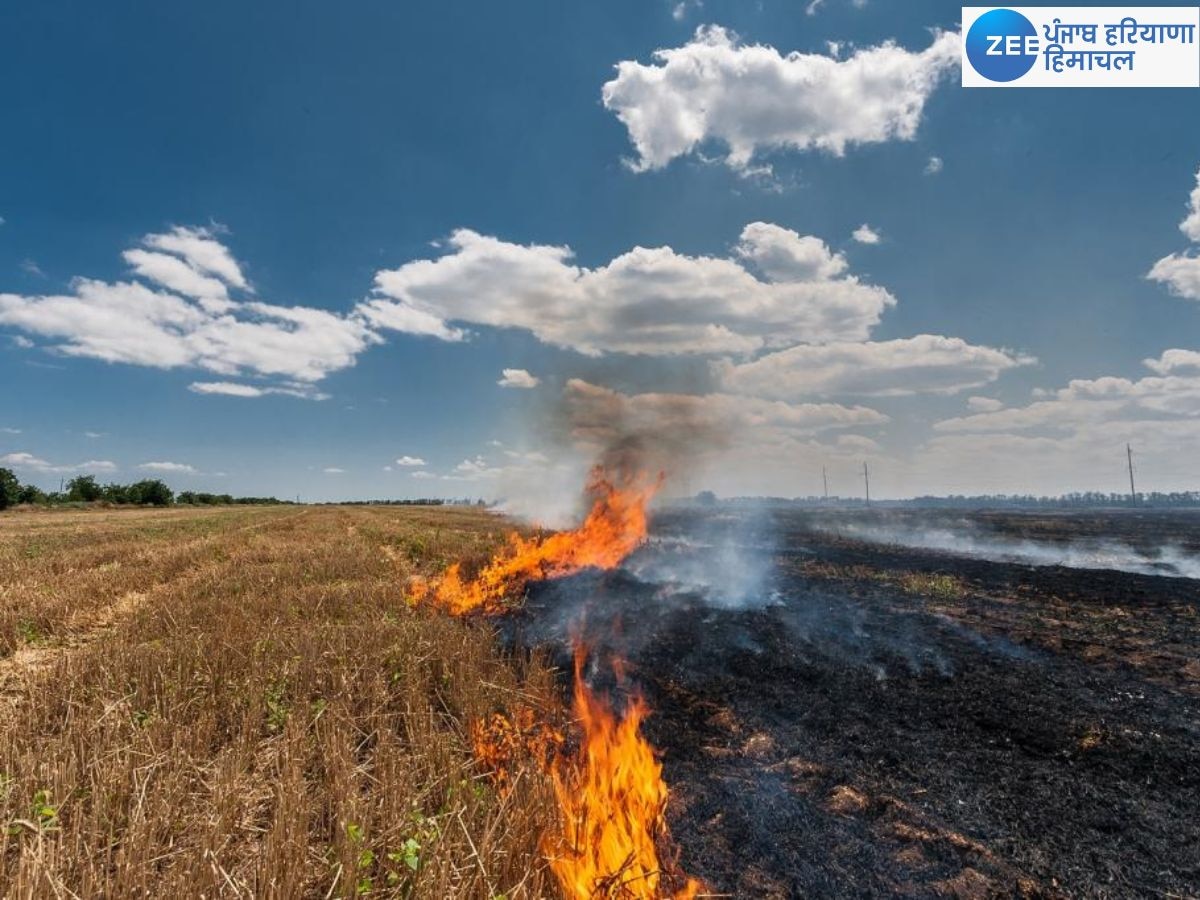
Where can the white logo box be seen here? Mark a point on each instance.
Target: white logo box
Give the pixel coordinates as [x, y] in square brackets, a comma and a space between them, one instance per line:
[1162, 59]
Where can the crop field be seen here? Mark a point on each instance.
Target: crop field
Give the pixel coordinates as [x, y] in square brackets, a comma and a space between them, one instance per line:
[236, 702]
[773, 703]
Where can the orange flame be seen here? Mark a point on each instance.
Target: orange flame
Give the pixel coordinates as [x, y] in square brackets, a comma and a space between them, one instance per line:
[505, 741]
[614, 527]
[613, 802]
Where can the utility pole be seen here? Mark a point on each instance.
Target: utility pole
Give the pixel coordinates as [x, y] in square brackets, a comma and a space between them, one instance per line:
[867, 482]
[825, 481]
[1132, 489]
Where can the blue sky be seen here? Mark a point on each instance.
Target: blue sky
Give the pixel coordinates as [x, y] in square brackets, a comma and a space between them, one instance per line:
[322, 145]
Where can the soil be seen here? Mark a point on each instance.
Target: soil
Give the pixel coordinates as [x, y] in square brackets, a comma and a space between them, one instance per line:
[839, 718]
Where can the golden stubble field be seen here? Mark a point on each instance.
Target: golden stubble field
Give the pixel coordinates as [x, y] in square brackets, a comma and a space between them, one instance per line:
[240, 702]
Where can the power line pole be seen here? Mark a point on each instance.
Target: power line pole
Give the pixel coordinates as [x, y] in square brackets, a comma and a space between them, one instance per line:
[1132, 489]
[867, 482]
[825, 481]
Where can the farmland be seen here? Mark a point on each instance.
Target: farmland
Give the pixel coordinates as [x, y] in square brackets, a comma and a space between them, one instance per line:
[239, 702]
[246, 702]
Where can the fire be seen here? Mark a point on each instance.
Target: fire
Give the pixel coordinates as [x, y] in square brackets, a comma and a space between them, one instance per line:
[614, 527]
[503, 741]
[613, 803]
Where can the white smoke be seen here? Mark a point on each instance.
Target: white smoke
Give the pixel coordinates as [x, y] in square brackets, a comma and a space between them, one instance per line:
[1169, 560]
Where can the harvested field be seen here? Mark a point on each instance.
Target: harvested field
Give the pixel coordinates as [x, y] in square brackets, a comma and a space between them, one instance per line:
[240, 703]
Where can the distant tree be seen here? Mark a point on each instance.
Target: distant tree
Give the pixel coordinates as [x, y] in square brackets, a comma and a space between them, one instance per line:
[188, 497]
[83, 488]
[115, 493]
[31, 493]
[706, 498]
[10, 489]
[151, 492]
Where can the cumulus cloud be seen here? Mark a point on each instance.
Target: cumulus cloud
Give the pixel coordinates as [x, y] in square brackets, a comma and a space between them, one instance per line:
[645, 301]
[1174, 360]
[410, 461]
[29, 462]
[1180, 272]
[181, 315]
[1145, 403]
[927, 363]
[333, 470]
[751, 98]
[172, 468]
[518, 378]
[10, 430]
[865, 234]
[934, 165]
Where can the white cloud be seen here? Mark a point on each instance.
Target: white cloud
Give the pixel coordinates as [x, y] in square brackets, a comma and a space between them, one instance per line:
[176, 275]
[679, 10]
[865, 234]
[29, 462]
[200, 249]
[22, 343]
[424, 476]
[30, 267]
[934, 165]
[173, 468]
[1149, 403]
[927, 363]
[237, 389]
[188, 321]
[518, 378]
[93, 434]
[410, 461]
[333, 470]
[1180, 272]
[1174, 360]
[984, 404]
[10, 431]
[752, 98]
[646, 301]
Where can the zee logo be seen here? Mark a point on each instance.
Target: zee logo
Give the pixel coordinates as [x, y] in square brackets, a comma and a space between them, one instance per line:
[1002, 45]
[1012, 45]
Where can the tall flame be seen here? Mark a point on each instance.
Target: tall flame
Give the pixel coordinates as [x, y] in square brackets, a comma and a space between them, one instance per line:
[614, 527]
[613, 802]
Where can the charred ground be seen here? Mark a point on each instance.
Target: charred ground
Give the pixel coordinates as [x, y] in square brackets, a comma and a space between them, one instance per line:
[871, 720]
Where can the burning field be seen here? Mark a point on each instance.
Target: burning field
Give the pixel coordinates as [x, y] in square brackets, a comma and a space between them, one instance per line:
[843, 706]
[684, 702]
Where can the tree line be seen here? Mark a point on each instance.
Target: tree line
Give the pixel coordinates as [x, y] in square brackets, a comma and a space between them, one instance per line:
[86, 489]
